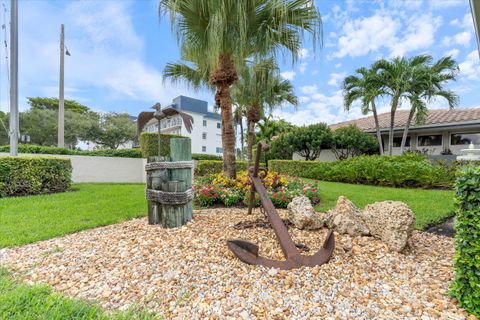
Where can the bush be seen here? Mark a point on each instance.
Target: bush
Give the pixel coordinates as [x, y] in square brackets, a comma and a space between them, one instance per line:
[309, 141]
[395, 171]
[466, 285]
[20, 176]
[149, 144]
[350, 141]
[201, 156]
[35, 149]
[206, 167]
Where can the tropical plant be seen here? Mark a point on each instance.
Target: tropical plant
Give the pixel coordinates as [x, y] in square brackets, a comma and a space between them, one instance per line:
[217, 36]
[259, 87]
[45, 103]
[112, 130]
[366, 86]
[269, 128]
[407, 79]
[350, 141]
[308, 141]
[427, 83]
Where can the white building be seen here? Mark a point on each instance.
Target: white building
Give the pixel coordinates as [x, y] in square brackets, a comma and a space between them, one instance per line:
[206, 134]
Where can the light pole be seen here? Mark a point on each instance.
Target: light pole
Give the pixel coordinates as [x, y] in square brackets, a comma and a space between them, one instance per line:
[61, 103]
[14, 123]
[475, 6]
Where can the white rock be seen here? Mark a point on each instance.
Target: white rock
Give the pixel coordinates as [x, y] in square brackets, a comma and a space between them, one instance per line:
[347, 219]
[391, 221]
[302, 214]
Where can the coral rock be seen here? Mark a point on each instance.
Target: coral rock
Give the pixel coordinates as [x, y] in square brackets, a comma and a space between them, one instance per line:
[391, 221]
[302, 215]
[347, 219]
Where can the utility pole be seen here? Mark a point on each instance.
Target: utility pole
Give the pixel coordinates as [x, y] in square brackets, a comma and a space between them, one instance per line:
[14, 123]
[61, 106]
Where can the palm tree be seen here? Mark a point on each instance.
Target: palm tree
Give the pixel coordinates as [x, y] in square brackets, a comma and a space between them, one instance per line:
[367, 86]
[427, 82]
[216, 36]
[396, 76]
[259, 87]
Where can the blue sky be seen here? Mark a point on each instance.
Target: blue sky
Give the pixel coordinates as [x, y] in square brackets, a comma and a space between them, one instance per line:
[119, 49]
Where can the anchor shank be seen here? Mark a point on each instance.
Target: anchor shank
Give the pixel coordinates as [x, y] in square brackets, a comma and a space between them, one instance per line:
[288, 246]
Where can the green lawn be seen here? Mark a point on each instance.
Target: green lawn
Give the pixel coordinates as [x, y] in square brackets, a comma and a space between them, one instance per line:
[22, 301]
[428, 205]
[29, 219]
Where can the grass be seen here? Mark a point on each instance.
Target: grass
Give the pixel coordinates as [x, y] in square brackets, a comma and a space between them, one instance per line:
[28, 219]
[23, 301]
[429, 206]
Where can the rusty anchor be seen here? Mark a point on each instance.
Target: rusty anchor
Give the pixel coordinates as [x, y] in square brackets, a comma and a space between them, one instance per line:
[248, 252]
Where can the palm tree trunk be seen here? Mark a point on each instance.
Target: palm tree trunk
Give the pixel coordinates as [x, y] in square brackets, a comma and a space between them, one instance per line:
[392, 124]
[222, 78]
[242, 145]
[250, 138]
[405, 132]
[377, 128]
[228, 133]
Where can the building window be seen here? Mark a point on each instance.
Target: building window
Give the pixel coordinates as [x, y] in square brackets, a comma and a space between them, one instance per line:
[204, 123]
[397, 142]
[431, 140]
[204, 149]
[465, 138]
[219, 125]
[204, 136]
[219, 150]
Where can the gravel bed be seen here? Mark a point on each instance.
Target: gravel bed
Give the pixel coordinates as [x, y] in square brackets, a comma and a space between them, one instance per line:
[188, 272]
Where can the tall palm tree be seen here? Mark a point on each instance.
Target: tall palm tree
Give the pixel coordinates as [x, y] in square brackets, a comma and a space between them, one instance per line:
[366, 86]
[260, 87]
[427, 82]
[396, 76]
[216, 36]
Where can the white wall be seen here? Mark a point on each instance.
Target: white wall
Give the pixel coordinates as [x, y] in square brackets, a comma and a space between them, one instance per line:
[103, 169]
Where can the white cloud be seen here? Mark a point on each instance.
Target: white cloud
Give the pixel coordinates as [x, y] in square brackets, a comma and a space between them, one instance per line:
[314, 72]
[336, 78]
[303, 53]
[288, 75]
[462, 38]
[302, 67]
[470, 68]
[310, 89]
[453, 53]
[364, 35]
[442, 4]
[419, 34]
[303, 99]
[107, 54]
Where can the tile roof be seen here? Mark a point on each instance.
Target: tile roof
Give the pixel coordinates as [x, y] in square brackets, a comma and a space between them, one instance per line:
[435, 117]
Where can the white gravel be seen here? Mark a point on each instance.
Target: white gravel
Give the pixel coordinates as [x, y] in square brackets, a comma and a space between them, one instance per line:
[188, 272]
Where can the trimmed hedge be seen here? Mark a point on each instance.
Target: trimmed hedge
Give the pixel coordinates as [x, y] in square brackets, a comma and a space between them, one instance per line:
[149, 146]
[466, 285]
[395, 171]
[31, 148]
[206, 167]
[21, 176]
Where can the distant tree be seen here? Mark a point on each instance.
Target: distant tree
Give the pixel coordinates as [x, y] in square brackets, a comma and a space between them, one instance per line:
[350, 141]
[366, 86]
[44, 103]
[269, 128]
[112, 130]
[308, 141]
[280, 148]
[41, 126]
[4, 137]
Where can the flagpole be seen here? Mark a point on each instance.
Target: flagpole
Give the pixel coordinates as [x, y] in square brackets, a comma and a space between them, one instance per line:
[14, 122]
[61, 103]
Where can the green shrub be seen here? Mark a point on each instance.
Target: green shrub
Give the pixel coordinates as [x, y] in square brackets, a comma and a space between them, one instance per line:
[466, 285]
[20, 176]
[350, 141]
[121, 153]
[36, 149]
[394, 171]
[206, 167]
[149, 144]
[201, 156]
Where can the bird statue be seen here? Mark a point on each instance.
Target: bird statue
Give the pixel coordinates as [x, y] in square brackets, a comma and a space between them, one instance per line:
[159, 114]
